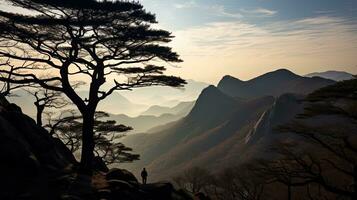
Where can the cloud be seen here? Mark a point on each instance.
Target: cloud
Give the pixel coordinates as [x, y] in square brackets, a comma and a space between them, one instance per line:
[188, 4]
[220, 48]
[217, 10]
[260, 12]
[220, 10]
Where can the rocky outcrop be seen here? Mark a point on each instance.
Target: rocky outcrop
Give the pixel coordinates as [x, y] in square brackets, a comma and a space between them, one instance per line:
[31, 160]
[34, 165]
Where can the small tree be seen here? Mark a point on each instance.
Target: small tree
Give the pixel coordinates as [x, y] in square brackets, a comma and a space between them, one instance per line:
[106, 135]
[99, 40]
[46, 99]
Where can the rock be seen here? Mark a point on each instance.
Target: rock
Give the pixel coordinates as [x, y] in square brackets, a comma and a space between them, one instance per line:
[163, 191]
[202, 196]
[99, 165]
[121, 174]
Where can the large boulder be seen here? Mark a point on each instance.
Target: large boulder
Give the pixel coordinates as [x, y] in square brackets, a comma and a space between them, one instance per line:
[119, 189]
[121, 174]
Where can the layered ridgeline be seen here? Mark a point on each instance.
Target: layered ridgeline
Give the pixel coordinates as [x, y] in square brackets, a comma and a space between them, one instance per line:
[228, 125]
[333, 75]
[273, 83]
[154, 116]
[142, 109]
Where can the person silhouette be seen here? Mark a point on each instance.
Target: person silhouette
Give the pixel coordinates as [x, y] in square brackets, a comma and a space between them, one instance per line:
[144, 175]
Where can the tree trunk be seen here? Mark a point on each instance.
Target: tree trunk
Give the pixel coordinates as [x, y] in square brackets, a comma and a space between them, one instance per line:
[88, 144]
[289, 192]
[354, 196]
[39, 114]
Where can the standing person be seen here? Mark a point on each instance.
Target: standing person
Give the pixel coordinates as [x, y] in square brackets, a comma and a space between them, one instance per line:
[144, 175]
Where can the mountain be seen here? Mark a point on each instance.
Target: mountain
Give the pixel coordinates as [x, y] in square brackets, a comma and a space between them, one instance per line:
[333, 75]
[183, 108]
[213, 120]
[228, 125]
[118, 104]
[273, 83]
[219, 141]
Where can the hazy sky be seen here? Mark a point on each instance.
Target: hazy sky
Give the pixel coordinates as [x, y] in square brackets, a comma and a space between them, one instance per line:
[246, 38]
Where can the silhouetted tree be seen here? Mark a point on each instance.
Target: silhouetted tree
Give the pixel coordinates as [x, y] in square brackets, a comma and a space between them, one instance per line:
[98, 40]
[194, 180]
[68, 127]
[49, 99]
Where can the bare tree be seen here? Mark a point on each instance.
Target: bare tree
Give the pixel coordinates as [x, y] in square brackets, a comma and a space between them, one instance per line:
[99, 40]
[194, 180]
[46, 99]
[238, 183]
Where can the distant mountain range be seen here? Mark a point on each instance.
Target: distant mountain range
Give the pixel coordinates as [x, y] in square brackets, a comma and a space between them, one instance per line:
[154, 116]
[228, 124]
[333, 75]
[165, 96]
[182, 108]
[132, 103]
[273, 83]
[115, 103]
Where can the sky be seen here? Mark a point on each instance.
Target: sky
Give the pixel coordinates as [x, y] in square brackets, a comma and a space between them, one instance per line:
[246, 38]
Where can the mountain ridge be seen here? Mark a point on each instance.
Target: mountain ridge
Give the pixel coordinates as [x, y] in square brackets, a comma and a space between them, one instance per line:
[332, 74]
[273, 83]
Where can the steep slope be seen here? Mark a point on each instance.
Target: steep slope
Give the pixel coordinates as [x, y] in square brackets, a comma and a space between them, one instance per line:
[184, 154]
[333, 75]
[273, 83]
[247, 134]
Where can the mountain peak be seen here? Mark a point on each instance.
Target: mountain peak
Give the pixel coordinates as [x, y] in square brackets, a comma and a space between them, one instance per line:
[209, 88]
[210, 92]
[284, 71]
[213, 101]
[229, 77]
